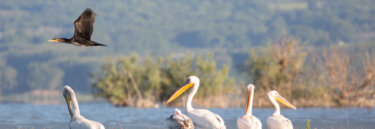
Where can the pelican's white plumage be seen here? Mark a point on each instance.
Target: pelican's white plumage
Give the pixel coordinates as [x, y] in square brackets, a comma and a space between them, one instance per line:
[202, 118]
[278, 121]
[248, 121]
[179, 121]
[76, 120]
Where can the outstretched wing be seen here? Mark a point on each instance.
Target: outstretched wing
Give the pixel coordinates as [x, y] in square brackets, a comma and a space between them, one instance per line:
[84, 25]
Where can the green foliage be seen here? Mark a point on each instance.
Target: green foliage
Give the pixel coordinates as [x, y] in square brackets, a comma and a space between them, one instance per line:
[214, 81]
[120, 81]
[277, 66]
[157, 79]
[308, 124]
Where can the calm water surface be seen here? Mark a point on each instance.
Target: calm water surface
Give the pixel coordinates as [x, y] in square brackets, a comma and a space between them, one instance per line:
[57, 116]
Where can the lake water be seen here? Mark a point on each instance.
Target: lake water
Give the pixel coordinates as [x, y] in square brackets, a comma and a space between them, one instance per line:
[15, 115]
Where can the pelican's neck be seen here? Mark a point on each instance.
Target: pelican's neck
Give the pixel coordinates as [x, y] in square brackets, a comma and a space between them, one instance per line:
[76, 111]
[190, 97]
[277, 107]
[250, 107]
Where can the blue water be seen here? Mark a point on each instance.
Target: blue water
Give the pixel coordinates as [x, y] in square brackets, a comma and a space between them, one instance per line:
[15, 115]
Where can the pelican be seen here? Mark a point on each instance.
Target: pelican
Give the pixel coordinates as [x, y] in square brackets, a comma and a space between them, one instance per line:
[202, 118]
[248, 121]
[179, 121]
[76, 120]
[278, 121]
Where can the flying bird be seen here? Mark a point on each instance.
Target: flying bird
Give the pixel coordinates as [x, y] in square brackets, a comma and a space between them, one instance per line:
[202, 118]
[76, 120]
[83, 28]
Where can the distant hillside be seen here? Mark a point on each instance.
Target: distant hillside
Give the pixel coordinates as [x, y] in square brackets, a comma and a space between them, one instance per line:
[227, 28]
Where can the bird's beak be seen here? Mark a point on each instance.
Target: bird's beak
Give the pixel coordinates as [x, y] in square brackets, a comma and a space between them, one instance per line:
[68, 101]
[282, 100]
[54, 40]
[247, 100]
[180, 91]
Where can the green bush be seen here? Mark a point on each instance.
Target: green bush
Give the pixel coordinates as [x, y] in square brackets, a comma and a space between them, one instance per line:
[277, 66]
[308, 124]
[156, 79]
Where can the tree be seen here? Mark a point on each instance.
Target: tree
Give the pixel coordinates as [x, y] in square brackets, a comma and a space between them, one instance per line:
[130, 81]
[277, 66]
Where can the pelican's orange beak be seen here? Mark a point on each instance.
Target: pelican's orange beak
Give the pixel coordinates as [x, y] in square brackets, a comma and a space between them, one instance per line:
[247, 99]
[180, 91]
[282, 100]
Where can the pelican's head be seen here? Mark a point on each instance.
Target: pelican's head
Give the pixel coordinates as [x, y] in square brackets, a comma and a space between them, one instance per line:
[274, 95]
[67, 93]
[177, 112]
[181, 119]
[190, 82]
[249, 87]
[192, 79]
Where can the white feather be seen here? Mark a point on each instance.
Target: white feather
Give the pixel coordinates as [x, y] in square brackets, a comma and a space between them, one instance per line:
[251, 123]
[204, 119]
[279, 122]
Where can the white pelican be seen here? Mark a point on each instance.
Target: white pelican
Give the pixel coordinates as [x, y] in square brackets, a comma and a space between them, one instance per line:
[179, 121]
[76, 120]
[278, 121]
[202, 118]
[248, 121]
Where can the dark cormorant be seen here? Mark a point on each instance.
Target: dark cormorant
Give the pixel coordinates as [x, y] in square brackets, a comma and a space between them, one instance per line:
[83, 28]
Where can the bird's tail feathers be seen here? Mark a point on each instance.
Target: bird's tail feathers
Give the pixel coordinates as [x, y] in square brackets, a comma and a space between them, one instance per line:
[98, 44]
